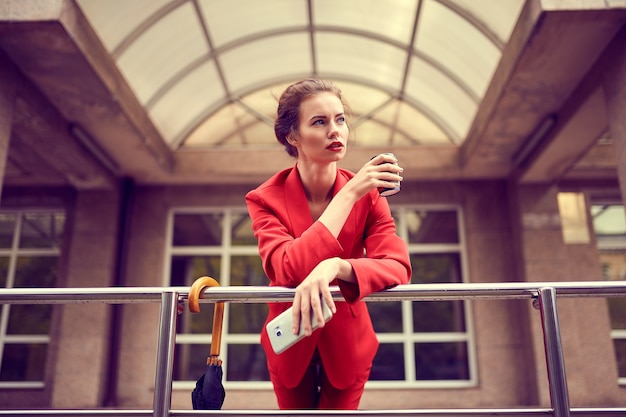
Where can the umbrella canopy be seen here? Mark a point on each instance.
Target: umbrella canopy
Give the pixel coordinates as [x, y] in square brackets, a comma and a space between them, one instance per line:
[209, 393]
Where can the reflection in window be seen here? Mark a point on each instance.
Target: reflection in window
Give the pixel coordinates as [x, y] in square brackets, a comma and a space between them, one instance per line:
[386, 316]
[8, 222]
[389, 363]
[438, 316]
[429, 226]
[42, 230]
[609, 220]
[241, 231]
[24, 362]
[35, 271]
[198, 229]
[441, 361]
[31, 319]
[30, 243]
[437, 268]
[247, 363]
[4, 270]
[185, 269]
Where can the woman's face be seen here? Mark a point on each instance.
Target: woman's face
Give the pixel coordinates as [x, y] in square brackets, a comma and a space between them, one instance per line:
[323, 132]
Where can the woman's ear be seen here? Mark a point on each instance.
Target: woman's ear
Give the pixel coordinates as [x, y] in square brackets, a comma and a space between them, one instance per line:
[292, 139]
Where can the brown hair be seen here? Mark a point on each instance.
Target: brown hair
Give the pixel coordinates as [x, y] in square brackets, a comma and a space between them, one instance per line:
[288, 113]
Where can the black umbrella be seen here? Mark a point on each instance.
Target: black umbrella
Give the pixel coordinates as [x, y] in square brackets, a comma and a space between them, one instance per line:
[209, 393]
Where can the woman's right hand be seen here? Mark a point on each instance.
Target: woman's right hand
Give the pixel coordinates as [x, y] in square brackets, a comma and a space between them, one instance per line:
[382, 171]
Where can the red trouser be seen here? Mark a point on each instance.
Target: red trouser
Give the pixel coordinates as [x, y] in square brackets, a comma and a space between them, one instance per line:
[316, 392]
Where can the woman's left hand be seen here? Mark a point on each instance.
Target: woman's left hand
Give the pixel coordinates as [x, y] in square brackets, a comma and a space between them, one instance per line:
[309, 294]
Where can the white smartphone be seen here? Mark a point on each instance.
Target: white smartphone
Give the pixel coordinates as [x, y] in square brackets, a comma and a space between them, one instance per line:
[279, 329]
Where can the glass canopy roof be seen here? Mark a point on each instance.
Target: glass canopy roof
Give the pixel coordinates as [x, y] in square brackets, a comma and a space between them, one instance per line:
[209, 72]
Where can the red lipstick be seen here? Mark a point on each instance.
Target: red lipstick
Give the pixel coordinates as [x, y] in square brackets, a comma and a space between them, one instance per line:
[335, 146]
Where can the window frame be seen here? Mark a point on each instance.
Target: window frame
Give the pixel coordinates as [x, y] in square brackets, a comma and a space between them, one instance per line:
[406, 337]
[226, 251]
[409, 338]
[611, 244]
[13, 254]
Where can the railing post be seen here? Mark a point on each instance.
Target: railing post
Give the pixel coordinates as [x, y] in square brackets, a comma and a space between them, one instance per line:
[165, 354]
[554, 353]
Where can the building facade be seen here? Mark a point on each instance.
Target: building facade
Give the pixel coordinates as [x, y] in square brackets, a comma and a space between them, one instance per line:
[523, 199]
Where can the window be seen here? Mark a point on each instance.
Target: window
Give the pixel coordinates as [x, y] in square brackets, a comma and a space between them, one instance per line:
[609, 223]
[426, 343]
[30, 246]
[422, 343]
[219, 244]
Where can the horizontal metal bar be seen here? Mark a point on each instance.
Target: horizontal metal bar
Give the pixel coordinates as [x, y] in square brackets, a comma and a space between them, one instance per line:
[597, 411]
[300, 413]
[77, 413]
[375, 413]
[113, 295]
[263, 294]
[454, 412]
[508, 412]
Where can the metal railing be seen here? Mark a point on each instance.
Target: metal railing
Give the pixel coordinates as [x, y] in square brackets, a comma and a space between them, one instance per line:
[543, 294]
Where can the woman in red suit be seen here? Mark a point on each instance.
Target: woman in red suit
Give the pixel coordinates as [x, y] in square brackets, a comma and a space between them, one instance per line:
[319, 225]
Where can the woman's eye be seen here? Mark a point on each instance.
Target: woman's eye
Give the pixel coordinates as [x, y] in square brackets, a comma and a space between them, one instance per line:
[341, 119]
[318, 122]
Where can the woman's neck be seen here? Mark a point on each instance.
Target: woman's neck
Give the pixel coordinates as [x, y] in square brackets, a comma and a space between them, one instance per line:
[318, 180]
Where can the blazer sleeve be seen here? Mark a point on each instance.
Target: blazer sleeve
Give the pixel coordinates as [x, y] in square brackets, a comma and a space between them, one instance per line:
[386, 263]
[288, 259]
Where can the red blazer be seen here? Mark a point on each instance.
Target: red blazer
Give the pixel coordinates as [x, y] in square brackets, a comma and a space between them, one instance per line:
[291, 244]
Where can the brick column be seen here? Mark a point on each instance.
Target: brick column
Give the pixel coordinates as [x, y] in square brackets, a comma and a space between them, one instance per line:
[84, 330]
[544, 256]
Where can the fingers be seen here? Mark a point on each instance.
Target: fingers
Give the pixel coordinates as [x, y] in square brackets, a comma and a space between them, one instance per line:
[295, 321]
[308, 304]
[316, 307]
[386, 163]
[328, 299]
[389, 173]
[307, 301]
[305, 309]
[382, 158]
[302, 307]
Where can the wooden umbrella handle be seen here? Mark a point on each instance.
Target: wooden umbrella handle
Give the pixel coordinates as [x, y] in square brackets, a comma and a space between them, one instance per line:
[196, 292]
